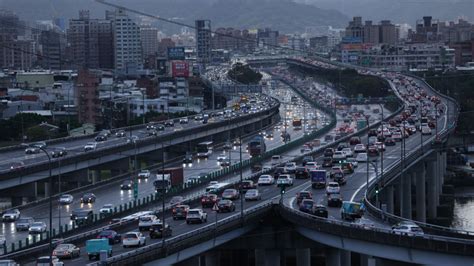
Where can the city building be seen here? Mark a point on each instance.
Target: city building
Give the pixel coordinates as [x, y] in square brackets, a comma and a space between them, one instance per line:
[16, 51]
[385, 32]
[319, 44]
[203, 41]
[87, 93]
[127, 43]
[149, 39]
[90, 42]
[234, 40]
[463, 52]
[419, 56]
[53, 46]
[267, 37]
[426, 30]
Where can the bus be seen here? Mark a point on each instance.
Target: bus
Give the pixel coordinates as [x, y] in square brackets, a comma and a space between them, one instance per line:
[204, 149]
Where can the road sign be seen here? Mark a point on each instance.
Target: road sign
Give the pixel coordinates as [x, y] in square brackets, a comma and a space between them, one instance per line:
[215, 207]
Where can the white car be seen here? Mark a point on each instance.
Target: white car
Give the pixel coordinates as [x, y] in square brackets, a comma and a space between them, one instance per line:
[311, 166]
[348, 152]
[361, 157]
[221, 158]
[90, 146]
[46, 261]
[333, 188]
[37, 228]
[276, 159]
[252, 194]
[183, 120]
[339, 155]
[380, 146]
[196, 215]
[266, 180]
[145, 222]
[66, 199]
[11, 215]
[144, 174]
[107, 209]
[353, 161]
[285, 180]
[133, 239]
[359, 148]
[290, 167]
[425, 130]
[407, 228]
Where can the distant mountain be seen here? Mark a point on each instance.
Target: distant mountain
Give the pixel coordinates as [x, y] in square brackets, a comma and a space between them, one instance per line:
[400, 11]
[283, 15]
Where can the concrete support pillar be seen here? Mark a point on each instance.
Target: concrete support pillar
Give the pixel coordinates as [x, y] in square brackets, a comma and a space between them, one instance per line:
[405, 196]
[272, 257]
[303, 257]
[398, 196]
[193, 261]
[389, 190]
[212, 258]
[346, 257]
[333, 257]
[366, 260]
[94, 176]
[46, 189]
[431, 189]
[259, 257]
[421, 194]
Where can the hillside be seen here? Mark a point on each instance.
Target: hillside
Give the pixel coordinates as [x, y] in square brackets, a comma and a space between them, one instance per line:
[284, 15]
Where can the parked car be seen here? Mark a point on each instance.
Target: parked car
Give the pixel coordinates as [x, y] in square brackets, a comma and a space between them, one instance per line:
[24, 223]
[196, 215]
[225, 206]
[11, 215]
[158, 231]
[111, 235]
[67, 251]
[252, 194]
[66, 199]
[131, 239]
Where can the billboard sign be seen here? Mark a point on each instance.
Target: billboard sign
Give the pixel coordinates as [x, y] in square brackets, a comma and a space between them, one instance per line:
[176, 53]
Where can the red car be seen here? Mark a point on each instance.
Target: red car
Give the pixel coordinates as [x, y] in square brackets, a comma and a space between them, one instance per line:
[209, 200]
[300, 196]
[180, 212]
[373, 151]
[354, 141]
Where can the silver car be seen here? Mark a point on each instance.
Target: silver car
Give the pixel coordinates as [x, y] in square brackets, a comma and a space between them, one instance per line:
[253, 194]
[66, 199]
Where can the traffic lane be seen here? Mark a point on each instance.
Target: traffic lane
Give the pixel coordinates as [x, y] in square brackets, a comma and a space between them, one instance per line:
[110, 194]
[77, 145]
[180, 226]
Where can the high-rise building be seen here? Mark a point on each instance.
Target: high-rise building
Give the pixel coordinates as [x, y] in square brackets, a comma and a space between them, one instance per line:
[388, 32]
[90, 42]
[127, 43]
[233, 40]
[203, 41]
[149, 39]
[87, 93]
[371, 33]
[53, 44]
[267, 37]
[16, 51]
[355, 29]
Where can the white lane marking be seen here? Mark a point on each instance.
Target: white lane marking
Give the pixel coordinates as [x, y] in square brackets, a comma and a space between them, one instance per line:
[292, 200]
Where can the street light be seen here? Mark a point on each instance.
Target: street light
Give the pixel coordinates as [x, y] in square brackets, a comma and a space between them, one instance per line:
[50, 188]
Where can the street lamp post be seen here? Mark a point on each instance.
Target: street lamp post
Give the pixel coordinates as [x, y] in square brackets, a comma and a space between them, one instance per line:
[50, 188]
[163, 188]
[367, 153]
[241, 179]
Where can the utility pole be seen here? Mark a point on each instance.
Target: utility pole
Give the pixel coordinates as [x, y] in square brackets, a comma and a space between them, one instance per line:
[163, 190]
[241, 179]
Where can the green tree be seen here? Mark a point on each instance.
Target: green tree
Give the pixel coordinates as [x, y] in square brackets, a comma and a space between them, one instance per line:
[37, 133]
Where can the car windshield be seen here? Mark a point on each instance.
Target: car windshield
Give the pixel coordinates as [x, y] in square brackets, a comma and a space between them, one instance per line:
[37, 224]
[252, 192]
[23, 220]
[63, 246]
[106, 233]
[193, 212]
[10, 212]
[65, 196]
[333, 185]
[416, 229]
[145, 218]
[131, 236]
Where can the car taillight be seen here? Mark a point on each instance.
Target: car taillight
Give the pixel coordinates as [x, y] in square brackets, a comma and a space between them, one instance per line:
[174, 210]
